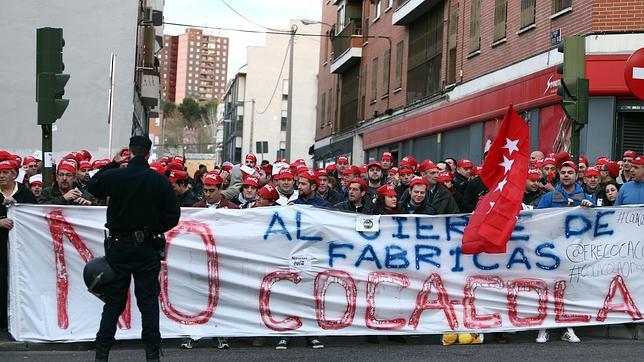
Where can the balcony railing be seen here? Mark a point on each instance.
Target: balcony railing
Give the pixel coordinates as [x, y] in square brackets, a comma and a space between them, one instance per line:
[349, 37]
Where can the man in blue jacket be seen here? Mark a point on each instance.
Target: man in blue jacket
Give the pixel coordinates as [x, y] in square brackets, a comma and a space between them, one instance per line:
[307, 186]
[567, 193]
[632, 192]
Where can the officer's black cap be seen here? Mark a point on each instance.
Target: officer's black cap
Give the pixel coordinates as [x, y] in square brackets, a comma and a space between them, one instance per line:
[141, 141]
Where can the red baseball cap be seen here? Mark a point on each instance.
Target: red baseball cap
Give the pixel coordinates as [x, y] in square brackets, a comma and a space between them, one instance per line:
[374, 164]
[405, 170]
[426, 165]
[464, 163]
[549, 161]
[9, 165]
[67, 165]
[178, 159]
[444, 176]
[84, 164]
[386, 190]
[251, 157]
[359, 181]
[534, 174]
[174, 166]
[158, 167]
[343, 159]
[284, 173]
[386, 156]
[177, 175]
[165, 159]
[330, 168]
[592, 171]
[629, 153]
[212, 179]
[269, 192]
[35, 180]
[311, 176]
[322, 173]
[29, 160]
[86, 155]
[639, 160]
[569, 164]
[417, 181]
[251, 181]
[393, 171]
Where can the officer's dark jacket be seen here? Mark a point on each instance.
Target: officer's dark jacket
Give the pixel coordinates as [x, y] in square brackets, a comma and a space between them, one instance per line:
[460, 182]
[473, 191]
[366, 208]
[140, 198]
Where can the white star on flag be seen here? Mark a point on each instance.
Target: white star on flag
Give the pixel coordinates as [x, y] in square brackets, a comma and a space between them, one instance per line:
[501, 184]
[491, 206]
[507, 164]
[511, 145]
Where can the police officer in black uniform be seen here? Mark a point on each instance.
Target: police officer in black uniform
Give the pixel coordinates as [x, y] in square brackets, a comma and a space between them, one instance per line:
[141, 207]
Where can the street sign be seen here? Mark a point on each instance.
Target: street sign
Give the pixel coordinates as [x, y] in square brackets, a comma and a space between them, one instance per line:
[634, 73]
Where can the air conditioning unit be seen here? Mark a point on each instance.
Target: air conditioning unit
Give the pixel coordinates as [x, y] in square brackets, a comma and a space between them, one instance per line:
[152, 17]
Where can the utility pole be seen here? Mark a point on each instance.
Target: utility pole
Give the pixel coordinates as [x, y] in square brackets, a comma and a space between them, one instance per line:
[289, 112]
[252, 125]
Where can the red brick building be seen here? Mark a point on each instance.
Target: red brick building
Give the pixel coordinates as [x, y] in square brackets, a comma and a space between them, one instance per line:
[433, 77]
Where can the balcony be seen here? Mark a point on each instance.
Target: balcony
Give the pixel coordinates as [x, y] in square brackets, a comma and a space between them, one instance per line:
[409, 10]
[347, 47]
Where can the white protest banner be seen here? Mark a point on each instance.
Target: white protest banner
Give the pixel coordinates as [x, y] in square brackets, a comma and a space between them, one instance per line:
[306, 271]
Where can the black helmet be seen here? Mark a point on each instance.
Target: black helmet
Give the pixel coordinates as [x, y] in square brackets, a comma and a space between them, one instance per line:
[97, 274]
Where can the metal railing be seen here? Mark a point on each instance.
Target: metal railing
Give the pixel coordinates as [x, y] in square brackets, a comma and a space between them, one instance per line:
[346, 38]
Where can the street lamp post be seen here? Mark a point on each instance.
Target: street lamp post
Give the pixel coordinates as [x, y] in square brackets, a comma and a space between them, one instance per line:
[289, 111]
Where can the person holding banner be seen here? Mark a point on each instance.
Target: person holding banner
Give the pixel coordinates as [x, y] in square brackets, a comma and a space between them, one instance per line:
[11, 192]
[632, 192]
[142, 206]
[568, 193]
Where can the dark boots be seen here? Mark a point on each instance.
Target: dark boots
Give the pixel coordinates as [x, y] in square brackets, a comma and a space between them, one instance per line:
[102, 353]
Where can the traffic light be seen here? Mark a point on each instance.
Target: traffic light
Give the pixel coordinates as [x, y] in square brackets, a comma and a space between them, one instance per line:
[574, 85]
[50, 82]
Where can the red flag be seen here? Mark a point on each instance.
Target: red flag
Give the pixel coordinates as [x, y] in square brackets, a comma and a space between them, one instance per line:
[504, 173]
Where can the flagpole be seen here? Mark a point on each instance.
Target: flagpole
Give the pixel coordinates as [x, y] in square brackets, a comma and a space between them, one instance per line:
[110, 104]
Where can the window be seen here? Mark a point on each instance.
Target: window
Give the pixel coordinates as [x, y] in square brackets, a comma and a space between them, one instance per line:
[330, 113]
[374, 79]
[283, 121]
[400, 48]
[452, 44]
[559, 5]
[341, 18]
[323, 110]
[189, 81]
[527, 13]
[377, 5]
[386, 72]
[500, 16]
[424, 56]
[475, 26]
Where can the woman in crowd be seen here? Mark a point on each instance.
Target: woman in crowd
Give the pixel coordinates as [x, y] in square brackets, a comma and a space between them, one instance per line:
[386, 201]
[611, 190]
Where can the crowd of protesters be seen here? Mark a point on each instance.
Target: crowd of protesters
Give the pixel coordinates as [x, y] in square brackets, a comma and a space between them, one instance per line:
[380, 187]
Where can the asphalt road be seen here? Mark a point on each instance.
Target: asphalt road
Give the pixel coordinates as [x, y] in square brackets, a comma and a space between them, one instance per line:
[522, 348]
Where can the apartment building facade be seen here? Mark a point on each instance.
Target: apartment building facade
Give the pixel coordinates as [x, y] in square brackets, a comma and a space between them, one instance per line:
[193, 65]
[433, 78]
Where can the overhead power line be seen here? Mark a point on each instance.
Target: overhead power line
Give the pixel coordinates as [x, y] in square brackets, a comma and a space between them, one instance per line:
[245, 18]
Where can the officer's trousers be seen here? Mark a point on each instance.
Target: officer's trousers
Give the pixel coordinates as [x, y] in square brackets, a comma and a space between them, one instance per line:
[142, 262]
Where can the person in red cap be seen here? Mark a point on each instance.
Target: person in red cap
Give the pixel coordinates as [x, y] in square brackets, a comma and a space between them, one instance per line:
[250, 160]
[582, 166]
[386, 201]
[632, 192]
[446, 179]
[415, 201]
[11, 192]
[405, 174]
[30, 165]
[533, 193]
[387, 162]
[158, 167]
[82, 176]
[439, 198]
[307, 186]
[212, 184]
[63, 191]
[181, 186]
[374, 177]
[392, 177]
[341, 164]
[347, 176]
[591, 184]
[535, 157]
[285, 186]
[267, 196]
[356, 199]
[247, 193]
[35, 185]
[627, 167]
[325, 190]
[568, 192]
[549, 170]
[462, 174]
